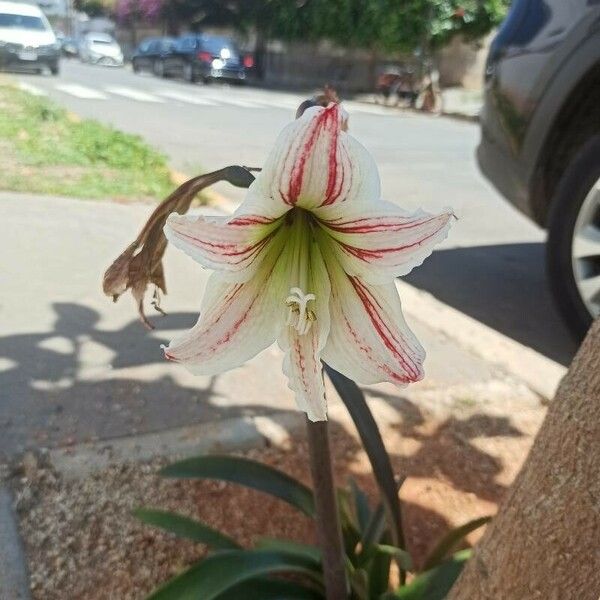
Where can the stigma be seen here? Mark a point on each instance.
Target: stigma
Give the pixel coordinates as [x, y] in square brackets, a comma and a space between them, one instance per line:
[300, 317]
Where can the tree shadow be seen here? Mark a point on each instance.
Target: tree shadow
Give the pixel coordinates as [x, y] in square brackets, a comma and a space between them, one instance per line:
[504, 287]
[48, 400]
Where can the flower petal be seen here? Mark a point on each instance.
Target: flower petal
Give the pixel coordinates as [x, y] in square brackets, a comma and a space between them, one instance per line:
[316, 163]
[233, 245]
[302, 361]
[236, 322]
[369, 340]
[383, 242]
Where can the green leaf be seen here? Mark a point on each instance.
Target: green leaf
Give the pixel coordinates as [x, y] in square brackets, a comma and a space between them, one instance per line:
[379, 574]
[402, 557]
[361, 506]
[375, 528]
[350, 533]
[359, 582]
[186, 528]
[219, 573]
[449, 541]
[248, 473]
[370, 436]
[433, 584]
[311, 552]
[262, 588]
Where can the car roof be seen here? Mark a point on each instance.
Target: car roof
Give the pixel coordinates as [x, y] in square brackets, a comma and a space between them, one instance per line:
[20, 8]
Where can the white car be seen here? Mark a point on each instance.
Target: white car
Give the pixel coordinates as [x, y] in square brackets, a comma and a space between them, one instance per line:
[100, 49]
[26, 39]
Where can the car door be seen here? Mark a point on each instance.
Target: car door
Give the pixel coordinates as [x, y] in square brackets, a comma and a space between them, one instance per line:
[141, 57]
[176, 59]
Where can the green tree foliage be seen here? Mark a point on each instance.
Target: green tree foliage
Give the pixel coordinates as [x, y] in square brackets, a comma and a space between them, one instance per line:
[392, 25]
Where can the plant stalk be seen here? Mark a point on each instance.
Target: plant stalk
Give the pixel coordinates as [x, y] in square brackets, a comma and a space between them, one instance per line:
[329, 530]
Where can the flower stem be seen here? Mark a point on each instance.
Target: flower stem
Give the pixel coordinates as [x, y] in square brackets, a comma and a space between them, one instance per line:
[328, 524]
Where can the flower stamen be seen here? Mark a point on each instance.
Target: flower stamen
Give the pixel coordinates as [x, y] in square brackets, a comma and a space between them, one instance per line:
[300, 317]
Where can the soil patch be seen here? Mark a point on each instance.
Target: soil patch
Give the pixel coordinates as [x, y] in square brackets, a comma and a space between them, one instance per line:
[82, 542]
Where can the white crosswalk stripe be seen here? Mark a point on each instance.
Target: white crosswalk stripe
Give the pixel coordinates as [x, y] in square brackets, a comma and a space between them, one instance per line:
[183, 97]
[133, 94]
[200, 97]
[237, 102]
[80, 91]
[32, 89]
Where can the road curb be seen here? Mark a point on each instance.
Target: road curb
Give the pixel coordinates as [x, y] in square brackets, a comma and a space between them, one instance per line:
[541, 374]
[230, 435]
[14, 579]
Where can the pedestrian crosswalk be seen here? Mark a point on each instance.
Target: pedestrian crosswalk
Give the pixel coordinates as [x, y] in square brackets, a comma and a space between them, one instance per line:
[80, 91]
[194, 96]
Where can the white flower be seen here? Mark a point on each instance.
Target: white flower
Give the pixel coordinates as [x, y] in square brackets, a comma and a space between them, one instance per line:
[309, 259]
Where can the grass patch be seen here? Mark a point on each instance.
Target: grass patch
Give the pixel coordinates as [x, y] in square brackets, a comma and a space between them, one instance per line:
[47, 150]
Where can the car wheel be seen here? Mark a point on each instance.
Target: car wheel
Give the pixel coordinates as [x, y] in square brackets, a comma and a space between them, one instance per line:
[55, 69]
[188, 73]
[158, 68]
[135, 66]
[573, 249]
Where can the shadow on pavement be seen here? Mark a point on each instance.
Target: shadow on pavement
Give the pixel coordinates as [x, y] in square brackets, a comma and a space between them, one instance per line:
[46, 400]
[504, 287]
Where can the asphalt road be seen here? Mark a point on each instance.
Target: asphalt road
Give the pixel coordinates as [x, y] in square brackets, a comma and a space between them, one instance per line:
[491, 267]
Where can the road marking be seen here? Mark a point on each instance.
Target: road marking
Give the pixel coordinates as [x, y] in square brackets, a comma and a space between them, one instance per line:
[80, 91]
[183, 97]
[236, 102]
[32, 89]
[133, 94]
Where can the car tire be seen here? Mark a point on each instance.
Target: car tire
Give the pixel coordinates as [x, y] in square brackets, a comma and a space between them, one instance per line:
[570, 266]
[135, 66]
[188, 73]
[54, 69]
[158, 68]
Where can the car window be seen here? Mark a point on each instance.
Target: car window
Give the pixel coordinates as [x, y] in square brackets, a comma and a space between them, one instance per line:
[145, 46]
[154, 46]
[215, 44]
[22, 22]
[167, 43]
[187, 43]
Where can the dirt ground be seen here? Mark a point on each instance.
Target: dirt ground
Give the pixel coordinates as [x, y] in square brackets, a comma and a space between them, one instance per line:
[83, 543]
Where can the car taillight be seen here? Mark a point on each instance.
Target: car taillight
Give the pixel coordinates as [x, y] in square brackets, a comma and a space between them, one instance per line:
[248, 62]
[205, 56]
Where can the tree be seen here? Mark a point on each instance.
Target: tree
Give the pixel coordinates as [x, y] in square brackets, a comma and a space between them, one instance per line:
[545, 541]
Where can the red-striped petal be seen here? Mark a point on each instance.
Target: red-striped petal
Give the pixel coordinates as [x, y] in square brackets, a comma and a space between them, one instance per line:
[235, 245]
[384, 242]
[369, 340]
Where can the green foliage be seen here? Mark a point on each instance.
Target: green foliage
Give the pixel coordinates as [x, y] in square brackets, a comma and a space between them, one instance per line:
[385, 25]
[433, 584]
[229, 570]
[48, 150]
[389, 25]
[248, 473]
[372, 537]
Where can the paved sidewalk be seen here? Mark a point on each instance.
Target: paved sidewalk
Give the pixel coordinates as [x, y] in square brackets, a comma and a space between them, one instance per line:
[75, 367]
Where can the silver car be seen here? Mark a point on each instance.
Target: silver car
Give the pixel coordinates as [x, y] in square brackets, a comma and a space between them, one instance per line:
[100, 49]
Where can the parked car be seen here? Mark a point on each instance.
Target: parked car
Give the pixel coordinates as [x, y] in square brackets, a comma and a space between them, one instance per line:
[540, 139]
[207, 57]
[150, 55]
[26, 39]
[69, 47]
[100, 49]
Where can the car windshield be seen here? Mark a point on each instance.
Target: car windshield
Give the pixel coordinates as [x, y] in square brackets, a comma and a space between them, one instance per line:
[21, 22]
